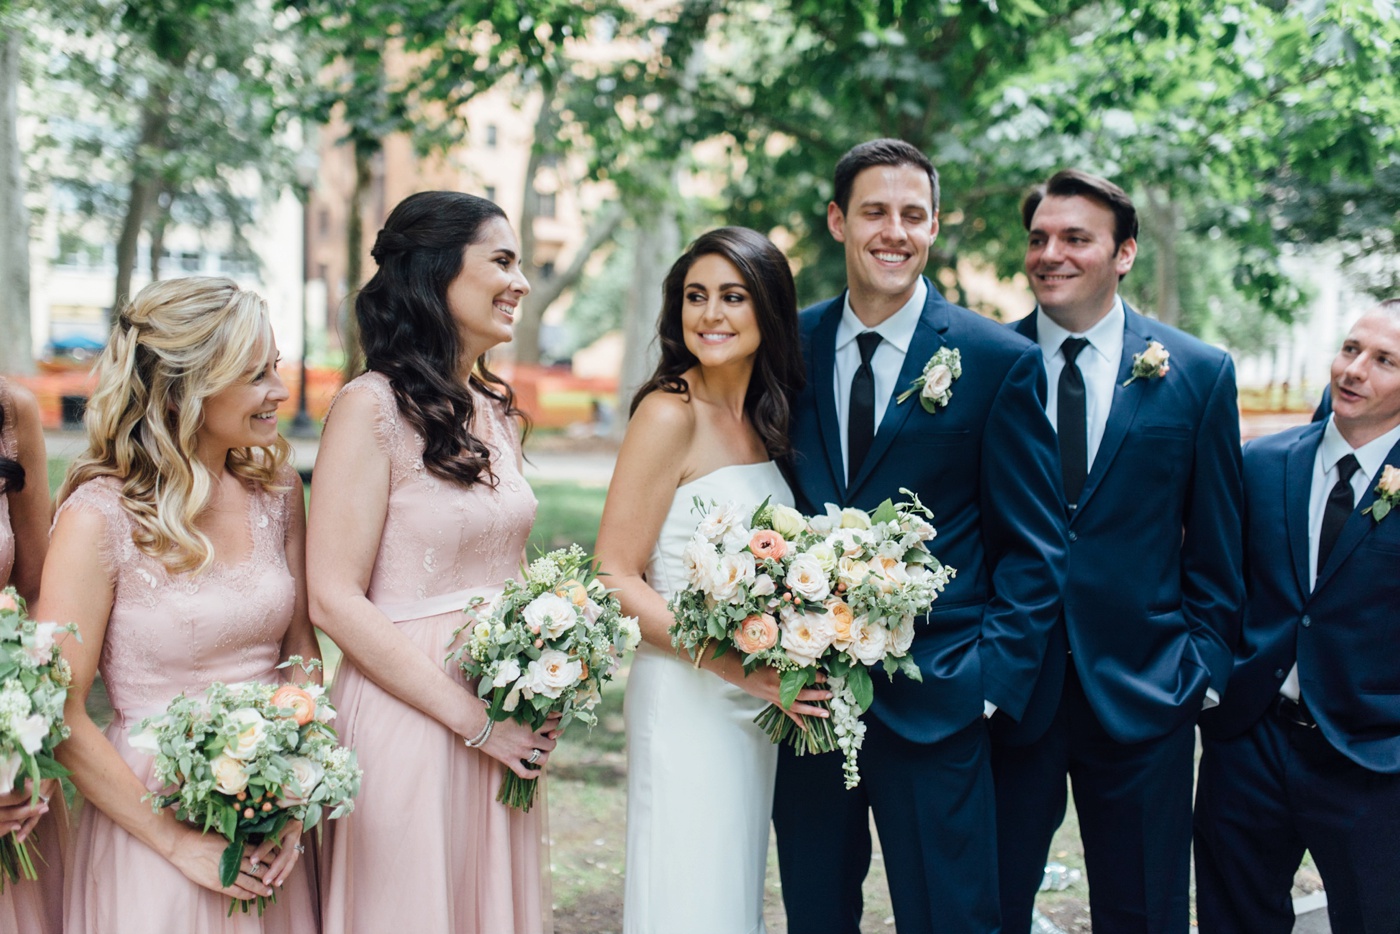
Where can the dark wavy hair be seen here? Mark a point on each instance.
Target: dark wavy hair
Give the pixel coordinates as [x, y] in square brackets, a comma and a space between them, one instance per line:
[408, 333]
[777, 370]
[11, 470]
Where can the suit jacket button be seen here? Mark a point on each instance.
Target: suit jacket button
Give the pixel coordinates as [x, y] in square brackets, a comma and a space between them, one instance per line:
[1278, 672]
[1307, 621]
[1074, 536]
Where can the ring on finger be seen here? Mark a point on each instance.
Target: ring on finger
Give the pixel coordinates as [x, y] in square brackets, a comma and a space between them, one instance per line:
[299, 847]
[534, 757]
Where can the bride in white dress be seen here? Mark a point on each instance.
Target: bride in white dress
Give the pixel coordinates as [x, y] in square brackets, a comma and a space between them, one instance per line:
[708, 424]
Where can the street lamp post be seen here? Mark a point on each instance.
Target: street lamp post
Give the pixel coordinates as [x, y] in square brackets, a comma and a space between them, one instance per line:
[308, 165]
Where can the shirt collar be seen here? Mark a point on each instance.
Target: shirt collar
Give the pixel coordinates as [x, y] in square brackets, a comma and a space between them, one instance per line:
[1105, 337]
[898, 329]
[1371, 456]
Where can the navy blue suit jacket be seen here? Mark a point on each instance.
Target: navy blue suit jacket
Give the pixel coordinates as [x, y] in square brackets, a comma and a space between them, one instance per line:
[1341, 632]
[988, 467]
[1153, 598]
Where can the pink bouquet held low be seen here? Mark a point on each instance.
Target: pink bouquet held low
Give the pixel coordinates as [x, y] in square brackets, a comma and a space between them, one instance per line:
[247, 759]
[546, 645]
[836, 593]
[34, 683]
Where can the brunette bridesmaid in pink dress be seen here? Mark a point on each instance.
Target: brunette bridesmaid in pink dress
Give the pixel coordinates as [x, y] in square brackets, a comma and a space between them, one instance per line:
[28, 907]
[417, 506]
[178, 550]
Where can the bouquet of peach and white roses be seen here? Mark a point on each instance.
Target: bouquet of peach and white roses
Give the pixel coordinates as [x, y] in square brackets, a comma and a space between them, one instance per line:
[545, 646]
[34, 683]
[247, 759]
[836, 593]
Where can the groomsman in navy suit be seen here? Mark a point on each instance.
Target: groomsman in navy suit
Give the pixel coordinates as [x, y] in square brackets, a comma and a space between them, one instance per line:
[1304, 750]
[1148, 429]
[983, 459]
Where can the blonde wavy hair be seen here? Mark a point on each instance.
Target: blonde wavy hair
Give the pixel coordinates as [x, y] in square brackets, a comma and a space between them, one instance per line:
[177, 343]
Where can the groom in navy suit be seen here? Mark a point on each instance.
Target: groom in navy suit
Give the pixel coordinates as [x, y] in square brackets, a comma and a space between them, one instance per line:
[1150, 452]
[983, 459]
[1304, 750]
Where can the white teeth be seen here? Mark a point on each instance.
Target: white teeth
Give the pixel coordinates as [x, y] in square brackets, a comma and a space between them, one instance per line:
[508, 310]
[890, 257]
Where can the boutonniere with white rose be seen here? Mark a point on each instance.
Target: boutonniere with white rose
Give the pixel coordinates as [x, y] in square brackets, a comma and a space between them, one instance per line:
[1151, 363]
[1387, 493]
[935, 384]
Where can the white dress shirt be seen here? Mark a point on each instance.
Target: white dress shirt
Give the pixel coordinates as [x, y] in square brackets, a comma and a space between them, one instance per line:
[1098, 362]
[895, 332]
[1371, 457]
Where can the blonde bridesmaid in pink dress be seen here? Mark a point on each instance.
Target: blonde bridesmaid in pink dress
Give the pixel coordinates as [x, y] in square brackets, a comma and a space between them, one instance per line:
[418, 505]
[28, 907]
[178, 550]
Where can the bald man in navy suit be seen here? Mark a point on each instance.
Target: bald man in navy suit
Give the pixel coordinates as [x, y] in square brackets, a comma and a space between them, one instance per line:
[1304, 749]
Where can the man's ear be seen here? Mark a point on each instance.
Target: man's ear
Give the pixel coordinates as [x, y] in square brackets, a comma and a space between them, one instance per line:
[1127, 252]
[836, 221]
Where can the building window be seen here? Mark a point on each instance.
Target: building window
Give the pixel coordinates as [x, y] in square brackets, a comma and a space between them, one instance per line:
[490, 136]
[547, 270]
[544, 204]
[490, 192]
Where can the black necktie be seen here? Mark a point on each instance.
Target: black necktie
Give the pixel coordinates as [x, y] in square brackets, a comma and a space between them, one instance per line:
[1340, 502]
[1072, 421]
[860, 418]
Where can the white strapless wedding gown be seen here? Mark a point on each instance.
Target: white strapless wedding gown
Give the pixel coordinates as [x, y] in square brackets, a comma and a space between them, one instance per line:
[699, 771]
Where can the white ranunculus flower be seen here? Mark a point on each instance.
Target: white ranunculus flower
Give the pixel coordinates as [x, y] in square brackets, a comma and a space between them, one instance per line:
[551, 673]
[825, 555]
[700, 562]
[734, 571]
[251, 729]
[851, 572]
[807, 578]
[852, 518]
[902, 636]
[229, 775]
[9, 770]
[890, 573]
[30, 731]
[788, 522]
[306, 775]
[868, 641]
[550, 615]
[144, 741]
[507, 672]
[721, 520]
[805, 636]
[631, 632]
[937, 381]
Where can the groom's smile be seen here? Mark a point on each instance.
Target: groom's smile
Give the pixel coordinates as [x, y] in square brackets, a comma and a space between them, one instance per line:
[887, 229]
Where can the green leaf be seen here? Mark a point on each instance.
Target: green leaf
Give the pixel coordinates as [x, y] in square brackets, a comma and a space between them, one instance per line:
[792, 682]
[1381, 509]
[885, 512]
[229, 863]
[49, 767]
[861, 686]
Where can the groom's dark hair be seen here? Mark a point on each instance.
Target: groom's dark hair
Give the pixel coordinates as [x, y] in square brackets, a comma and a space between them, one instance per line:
[1069, 183]
[895, 152]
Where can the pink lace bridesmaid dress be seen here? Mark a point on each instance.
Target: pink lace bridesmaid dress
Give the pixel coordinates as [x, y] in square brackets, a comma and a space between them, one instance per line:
[169, 633]
[428, 848]
[30, 907]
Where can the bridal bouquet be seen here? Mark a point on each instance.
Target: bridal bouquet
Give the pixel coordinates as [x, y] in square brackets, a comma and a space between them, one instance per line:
[545, 645]
[836, 593]
[247, 759]
[34, 683]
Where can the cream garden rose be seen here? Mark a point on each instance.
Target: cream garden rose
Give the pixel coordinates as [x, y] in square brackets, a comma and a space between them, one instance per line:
[230, 777]
[805, 636]
[551, 673]
[854, 518]
[251, 730]
[508, 671]
[868, 641]
[734, 571]
[550, 615]
[937, 381]
[807, 579]
[1390, 480]
[306, 775]
[700, 562]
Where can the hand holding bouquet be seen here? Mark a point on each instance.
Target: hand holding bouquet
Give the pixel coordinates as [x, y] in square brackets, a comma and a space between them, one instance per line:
[248, 759]
[836, 593]
[34, 683]
[545, 646]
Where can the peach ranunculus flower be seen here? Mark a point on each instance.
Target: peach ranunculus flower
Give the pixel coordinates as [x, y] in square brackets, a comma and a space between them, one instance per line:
[756, 633]
[574, 591]
[767, 544]
[1390, 480]
[841, 619]
[302, 704]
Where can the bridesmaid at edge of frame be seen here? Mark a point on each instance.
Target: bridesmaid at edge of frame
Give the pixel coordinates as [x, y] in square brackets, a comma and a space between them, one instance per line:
[28, 906]
[418, 506]
[178, 550]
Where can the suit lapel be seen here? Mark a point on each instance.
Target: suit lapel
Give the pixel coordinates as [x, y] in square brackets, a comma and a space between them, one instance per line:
[823, 375]
[1357, 525]
[925, 343]
[1122, 409]
[1297, 489]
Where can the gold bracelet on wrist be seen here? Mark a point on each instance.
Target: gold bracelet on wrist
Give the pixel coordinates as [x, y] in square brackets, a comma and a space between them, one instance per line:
[700, 655]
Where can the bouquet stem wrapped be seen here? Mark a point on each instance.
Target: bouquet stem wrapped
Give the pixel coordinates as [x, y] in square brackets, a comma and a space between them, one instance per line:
[835, 594]
[34, 682]
[544, 646]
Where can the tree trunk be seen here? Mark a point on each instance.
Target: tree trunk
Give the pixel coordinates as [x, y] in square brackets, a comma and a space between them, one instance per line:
[526, 340]
[354, 260]
[16, 349]
[144, 187]
[1162, 221]
[545, 290]
[160, 219]
[658, 244]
